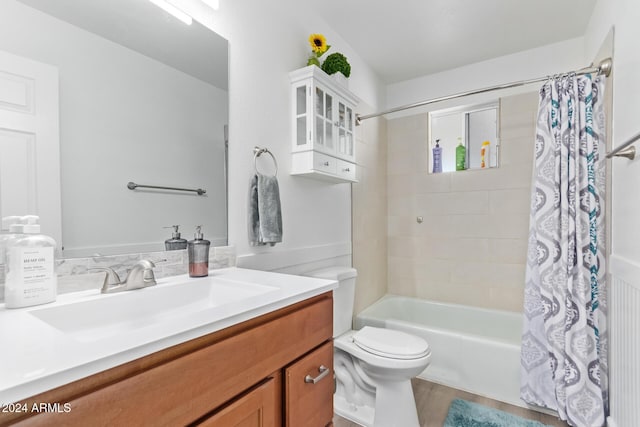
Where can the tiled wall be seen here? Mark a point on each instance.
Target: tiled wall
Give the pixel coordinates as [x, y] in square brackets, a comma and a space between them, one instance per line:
[471, 247]
[75, 274]
[369, 216]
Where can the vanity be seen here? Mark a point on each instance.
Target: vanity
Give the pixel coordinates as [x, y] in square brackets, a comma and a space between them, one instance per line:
[242, 347]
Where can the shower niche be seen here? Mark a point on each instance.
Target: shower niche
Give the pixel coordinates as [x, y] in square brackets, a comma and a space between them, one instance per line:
[473, 126]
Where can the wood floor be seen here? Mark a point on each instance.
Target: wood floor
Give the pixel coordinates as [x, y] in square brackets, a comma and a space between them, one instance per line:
[433, 400]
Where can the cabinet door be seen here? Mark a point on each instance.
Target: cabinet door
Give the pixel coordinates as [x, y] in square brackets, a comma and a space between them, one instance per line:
[324, 131]
[309, 389]
[346, 135]
[302, 118]
[257, 408]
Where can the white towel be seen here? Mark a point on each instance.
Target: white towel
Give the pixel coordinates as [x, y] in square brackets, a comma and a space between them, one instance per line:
[264, 216]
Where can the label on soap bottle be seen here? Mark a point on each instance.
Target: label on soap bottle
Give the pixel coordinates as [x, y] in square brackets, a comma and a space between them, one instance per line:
[30, 278]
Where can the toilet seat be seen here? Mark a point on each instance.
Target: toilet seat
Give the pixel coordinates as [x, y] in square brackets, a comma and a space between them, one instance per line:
[390, 343]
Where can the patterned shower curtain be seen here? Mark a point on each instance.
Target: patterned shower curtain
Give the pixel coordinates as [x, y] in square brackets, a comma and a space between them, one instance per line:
[564, 341]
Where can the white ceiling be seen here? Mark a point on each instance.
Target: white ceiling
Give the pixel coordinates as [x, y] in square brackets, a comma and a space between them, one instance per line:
[141, 26]
[404, 39]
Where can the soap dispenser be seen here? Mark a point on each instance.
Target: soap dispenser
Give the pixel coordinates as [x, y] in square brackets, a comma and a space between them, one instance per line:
[30, 266]
[198, 250]
[175, 242]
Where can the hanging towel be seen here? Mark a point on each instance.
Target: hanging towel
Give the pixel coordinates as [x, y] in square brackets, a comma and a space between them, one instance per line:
[265, 216]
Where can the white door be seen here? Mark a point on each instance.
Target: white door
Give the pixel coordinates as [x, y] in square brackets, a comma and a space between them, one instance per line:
[29, 142]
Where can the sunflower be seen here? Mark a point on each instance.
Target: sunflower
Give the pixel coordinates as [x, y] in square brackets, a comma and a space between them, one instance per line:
[318, 44]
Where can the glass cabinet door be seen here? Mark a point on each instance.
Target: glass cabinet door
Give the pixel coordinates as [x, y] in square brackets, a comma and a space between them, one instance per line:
[301, 115]
[346, 138]
[324, 133]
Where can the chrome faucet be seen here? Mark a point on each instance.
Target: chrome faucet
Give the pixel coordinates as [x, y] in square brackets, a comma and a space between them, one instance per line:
[140, 276]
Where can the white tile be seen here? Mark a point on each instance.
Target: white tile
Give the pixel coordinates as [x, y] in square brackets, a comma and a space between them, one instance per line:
[455, 249]
[433, 272]
[475, 180]
[517, 150]
[510, 201]
[400, 185]
[432, 182]
[511, 300]
[509, 226]
[429, 204]
[508, 250]
[406, 247]
[470, 226]
[402, 205]
[468, 203]
[401, 225]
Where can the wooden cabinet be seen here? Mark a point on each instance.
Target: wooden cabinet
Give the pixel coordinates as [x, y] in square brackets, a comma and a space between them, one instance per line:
[233, 377]
[309, 389]
[256, 408]
[323, 127]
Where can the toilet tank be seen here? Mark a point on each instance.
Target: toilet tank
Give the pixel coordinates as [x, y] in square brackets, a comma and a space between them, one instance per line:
[343, 296]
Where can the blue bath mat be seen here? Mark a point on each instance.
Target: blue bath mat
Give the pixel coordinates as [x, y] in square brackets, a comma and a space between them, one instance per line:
[467, 414]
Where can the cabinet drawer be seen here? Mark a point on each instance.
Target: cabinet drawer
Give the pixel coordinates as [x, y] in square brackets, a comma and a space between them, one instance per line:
[309, 389]
[346, 170]
[324, 163]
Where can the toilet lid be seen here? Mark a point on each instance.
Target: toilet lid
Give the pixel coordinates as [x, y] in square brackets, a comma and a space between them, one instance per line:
[390, 343]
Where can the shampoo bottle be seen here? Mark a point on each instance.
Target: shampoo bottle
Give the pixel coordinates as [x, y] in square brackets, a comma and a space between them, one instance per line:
[198, 250]
[437, 157]
[175, 242]
[484, 154]
[30, 266]
[461, 156]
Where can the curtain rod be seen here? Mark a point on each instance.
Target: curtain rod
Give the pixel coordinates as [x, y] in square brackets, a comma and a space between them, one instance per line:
[625, 149]
[604, 67]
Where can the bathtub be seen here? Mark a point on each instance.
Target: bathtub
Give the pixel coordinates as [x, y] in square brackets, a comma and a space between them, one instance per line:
[472, 349]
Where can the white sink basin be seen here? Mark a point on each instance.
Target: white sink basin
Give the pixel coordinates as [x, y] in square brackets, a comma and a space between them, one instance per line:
[114, 314]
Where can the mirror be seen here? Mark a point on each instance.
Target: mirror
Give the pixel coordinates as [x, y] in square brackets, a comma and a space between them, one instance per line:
[143, 97]
[475, 127]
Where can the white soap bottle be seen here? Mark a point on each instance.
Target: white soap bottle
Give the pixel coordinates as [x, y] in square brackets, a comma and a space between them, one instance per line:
[30, 267]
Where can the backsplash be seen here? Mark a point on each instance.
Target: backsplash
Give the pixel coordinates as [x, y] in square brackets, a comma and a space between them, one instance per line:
[75, 274]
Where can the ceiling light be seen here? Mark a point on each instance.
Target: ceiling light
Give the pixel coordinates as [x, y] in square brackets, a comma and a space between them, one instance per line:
[173, 10]
[213, 4]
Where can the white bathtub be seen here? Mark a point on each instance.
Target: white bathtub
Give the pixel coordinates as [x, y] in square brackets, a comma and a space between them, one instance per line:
[472, 349]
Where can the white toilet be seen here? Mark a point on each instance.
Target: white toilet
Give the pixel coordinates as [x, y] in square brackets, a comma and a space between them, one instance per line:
[373, 366]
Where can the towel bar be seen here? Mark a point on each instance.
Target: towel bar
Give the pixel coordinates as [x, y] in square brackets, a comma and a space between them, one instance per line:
[133, 186]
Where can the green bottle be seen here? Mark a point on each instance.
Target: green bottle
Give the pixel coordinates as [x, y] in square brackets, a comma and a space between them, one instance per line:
[461, 156]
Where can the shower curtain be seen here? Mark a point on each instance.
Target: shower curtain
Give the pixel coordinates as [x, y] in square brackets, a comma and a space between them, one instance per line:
[564, 340]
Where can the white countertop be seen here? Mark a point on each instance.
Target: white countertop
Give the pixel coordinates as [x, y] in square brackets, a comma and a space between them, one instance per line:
[36, 356]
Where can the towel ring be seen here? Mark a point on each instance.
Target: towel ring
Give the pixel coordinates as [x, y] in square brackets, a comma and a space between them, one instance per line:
[257, 151]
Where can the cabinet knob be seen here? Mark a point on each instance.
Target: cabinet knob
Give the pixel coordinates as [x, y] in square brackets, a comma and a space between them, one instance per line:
[326, 163]
[324, 371]
[346, 170]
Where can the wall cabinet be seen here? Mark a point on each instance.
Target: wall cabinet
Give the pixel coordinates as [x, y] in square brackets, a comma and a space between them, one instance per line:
[323, 126]
[250, 374]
